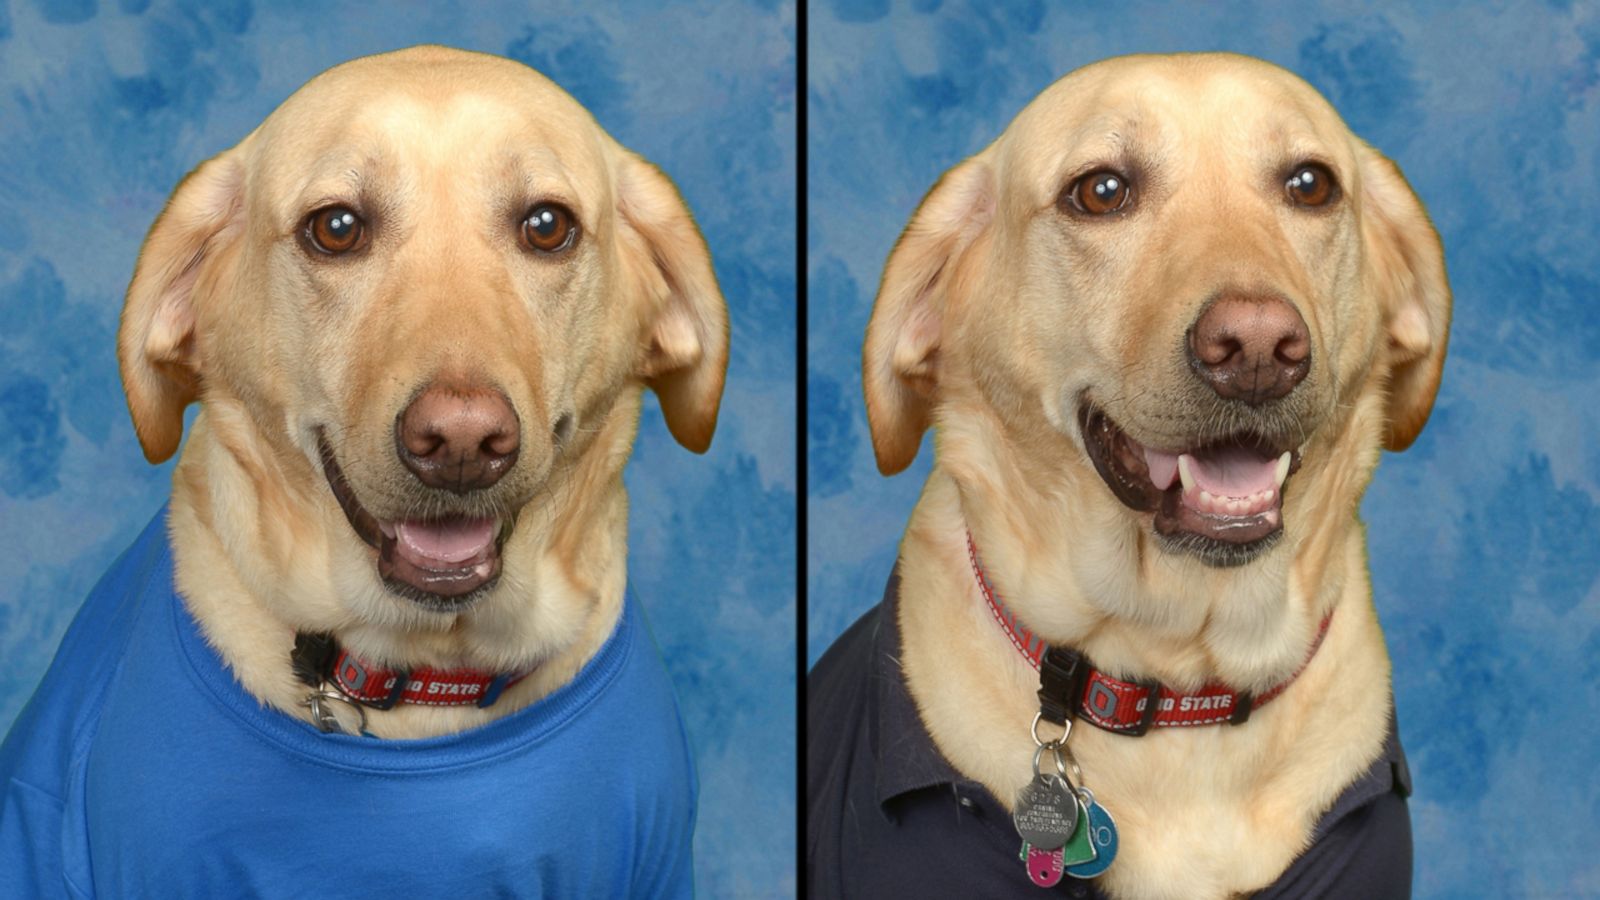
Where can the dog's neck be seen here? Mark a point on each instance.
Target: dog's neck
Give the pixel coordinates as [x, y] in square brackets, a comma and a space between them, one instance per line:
[262, 550]
[1077, 571]
[1080, 571]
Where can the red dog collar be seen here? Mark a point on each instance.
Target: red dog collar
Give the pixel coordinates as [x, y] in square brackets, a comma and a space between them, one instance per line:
[318, 658]
[1070, 685]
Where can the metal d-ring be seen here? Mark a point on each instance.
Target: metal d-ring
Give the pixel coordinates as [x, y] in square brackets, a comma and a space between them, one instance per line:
[1060, 741]
[324, 718]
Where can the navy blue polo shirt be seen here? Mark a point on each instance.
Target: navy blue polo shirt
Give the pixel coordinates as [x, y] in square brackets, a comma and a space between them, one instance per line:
[888, 816]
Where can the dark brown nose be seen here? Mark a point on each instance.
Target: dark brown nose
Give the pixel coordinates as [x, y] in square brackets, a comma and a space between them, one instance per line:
[1250, 348]
[458, 438]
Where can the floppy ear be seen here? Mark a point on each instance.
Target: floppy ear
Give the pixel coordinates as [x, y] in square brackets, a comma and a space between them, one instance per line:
[686, 341]
[156, 344]
[900, 362]
[1405, 267]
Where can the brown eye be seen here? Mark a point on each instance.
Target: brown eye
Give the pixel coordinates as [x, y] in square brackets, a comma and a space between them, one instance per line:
[549, 228]
[1100, 193]
[335, 230]
[1311, 185]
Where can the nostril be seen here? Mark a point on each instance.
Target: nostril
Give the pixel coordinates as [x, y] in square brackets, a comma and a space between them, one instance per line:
[1293, 350]
[1221, 350]
[420, 442]
[502, 442]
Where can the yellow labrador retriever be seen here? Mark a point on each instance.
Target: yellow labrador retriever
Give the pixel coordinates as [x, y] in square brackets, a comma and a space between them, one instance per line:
[1162, 327]
[418, 306]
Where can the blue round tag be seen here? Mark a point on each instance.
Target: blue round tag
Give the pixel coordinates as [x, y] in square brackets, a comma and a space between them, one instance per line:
[1103, 834]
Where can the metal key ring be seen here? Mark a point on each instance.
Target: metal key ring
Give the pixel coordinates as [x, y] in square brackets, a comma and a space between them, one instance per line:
[1077, 773]
[1037, 753]
[1061, 770]
[1060, 741]
[326, 721]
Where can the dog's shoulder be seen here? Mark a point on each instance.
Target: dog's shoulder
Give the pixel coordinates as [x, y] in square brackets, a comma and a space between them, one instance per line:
[887, 813]
[63, 709]
[42, 757]
[839, 702]
[140, 746]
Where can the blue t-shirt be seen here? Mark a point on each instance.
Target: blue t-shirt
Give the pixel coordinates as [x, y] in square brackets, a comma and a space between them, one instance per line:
[141, 768]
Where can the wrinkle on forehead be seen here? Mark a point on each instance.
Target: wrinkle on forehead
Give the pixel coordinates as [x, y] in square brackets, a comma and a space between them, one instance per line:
[383, 151]
[437, 101]
[1141, 109]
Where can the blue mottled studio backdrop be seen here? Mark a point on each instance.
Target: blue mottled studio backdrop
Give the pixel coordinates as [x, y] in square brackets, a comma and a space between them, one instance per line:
[105, 105]
[1485, 535]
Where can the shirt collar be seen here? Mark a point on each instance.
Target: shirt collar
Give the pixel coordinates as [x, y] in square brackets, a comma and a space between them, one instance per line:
[906, 757]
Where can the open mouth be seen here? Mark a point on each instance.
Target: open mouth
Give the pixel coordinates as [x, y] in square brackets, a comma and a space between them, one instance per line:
[1220, 500]
[442, 563]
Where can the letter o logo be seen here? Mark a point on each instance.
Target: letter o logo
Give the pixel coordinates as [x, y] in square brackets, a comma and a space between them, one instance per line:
[354, 677]
[1102, 701]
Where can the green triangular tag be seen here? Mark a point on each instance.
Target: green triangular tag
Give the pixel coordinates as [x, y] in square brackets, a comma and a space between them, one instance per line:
[1079, 848]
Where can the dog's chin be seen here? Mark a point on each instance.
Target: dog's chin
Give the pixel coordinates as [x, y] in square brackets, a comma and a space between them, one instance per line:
[1220, 501]
[443, 564]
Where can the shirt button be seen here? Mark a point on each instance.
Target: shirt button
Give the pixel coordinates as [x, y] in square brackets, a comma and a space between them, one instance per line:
[966, 803]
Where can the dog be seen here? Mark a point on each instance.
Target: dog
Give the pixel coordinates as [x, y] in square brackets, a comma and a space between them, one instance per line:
[1161, 328]
[379, 642]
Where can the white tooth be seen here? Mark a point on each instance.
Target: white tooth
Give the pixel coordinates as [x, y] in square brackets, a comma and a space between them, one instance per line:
[1267, 495]
[1207, 502]
[1236, 507]
[1184, 473]
[1283, 468]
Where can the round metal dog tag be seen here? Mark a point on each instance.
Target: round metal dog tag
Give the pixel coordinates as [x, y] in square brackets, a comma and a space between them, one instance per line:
[1046, 812]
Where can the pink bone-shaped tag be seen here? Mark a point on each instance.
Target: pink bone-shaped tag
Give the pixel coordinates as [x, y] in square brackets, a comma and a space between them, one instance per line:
[1046, 866]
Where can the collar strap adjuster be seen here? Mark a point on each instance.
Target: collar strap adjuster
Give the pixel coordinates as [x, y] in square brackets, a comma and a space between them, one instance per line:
[1147, 718]
[1062, 675]
[1242, 704]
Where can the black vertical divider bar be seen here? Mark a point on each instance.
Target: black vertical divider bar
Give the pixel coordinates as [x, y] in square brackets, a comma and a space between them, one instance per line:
[802, 464]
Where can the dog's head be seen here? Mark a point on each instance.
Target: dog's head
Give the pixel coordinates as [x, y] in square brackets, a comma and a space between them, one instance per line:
[1171, 285]
[431, 276]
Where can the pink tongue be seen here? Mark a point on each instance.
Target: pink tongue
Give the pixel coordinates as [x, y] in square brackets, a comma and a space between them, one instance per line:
[1163, 467]
[1234, 472]
[450, 540]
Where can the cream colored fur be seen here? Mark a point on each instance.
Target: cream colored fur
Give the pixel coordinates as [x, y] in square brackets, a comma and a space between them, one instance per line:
[444, 150]
[998, 310]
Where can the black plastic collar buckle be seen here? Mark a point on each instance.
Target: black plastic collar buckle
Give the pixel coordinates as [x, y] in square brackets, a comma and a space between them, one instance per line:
[1062, 676]
[312, 657]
